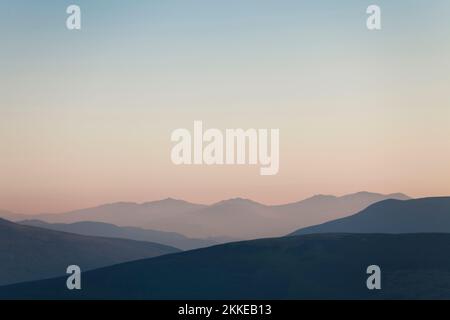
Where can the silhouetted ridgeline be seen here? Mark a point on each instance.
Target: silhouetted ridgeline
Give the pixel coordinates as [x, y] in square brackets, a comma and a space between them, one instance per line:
[234, 218]
[392, 216]
[327, 266]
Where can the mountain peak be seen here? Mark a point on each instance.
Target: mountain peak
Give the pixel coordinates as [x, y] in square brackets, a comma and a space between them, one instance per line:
[400, 196]
[238, 201]
[318, 197]
[166, 201]
[367, 194]
[119, 204]
[363, 193]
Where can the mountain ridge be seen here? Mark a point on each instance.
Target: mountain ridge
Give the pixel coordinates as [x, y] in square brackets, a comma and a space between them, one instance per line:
[237, 218]
[392, 216]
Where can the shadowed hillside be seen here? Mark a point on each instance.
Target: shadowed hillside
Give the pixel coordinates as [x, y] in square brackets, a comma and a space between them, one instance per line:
[29, 253]
[328, 266]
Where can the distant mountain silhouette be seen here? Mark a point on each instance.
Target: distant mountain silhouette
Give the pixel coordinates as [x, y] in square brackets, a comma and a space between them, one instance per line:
[325, 207]
[126, 213]
[101, 229]
[246, 219]
[235, 218]
[392, 216]
[326, 266]
[10, 216]
[30, 253]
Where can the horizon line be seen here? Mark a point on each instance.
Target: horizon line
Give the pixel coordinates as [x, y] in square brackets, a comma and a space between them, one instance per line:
[219, 201]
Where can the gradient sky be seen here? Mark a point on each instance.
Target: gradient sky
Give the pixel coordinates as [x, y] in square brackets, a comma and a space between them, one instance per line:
[86, 116]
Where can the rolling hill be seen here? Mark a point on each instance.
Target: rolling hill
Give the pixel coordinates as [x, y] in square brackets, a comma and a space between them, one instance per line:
[101, 229]
[8, 215]
[30, 253]
[392, 216]
[324, 266]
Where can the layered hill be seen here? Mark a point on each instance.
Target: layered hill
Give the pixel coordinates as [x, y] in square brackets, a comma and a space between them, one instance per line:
[30, 253]
[392, 216]
[101, 229]
[234, 218]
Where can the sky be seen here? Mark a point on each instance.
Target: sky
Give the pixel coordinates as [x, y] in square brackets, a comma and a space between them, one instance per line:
[86, 116]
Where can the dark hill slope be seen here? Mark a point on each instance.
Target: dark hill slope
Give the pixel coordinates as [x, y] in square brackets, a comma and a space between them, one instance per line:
[326, 266]
[30, 253]
[392, 216]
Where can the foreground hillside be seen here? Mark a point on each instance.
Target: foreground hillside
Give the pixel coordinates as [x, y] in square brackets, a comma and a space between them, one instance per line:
[392, 216]
[29, 253]
[327, 266]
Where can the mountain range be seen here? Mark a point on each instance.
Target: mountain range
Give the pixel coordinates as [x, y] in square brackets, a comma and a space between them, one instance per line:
[408, 239]
[235, 218]
[101, 229]
[323, 266]
[29, 253]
